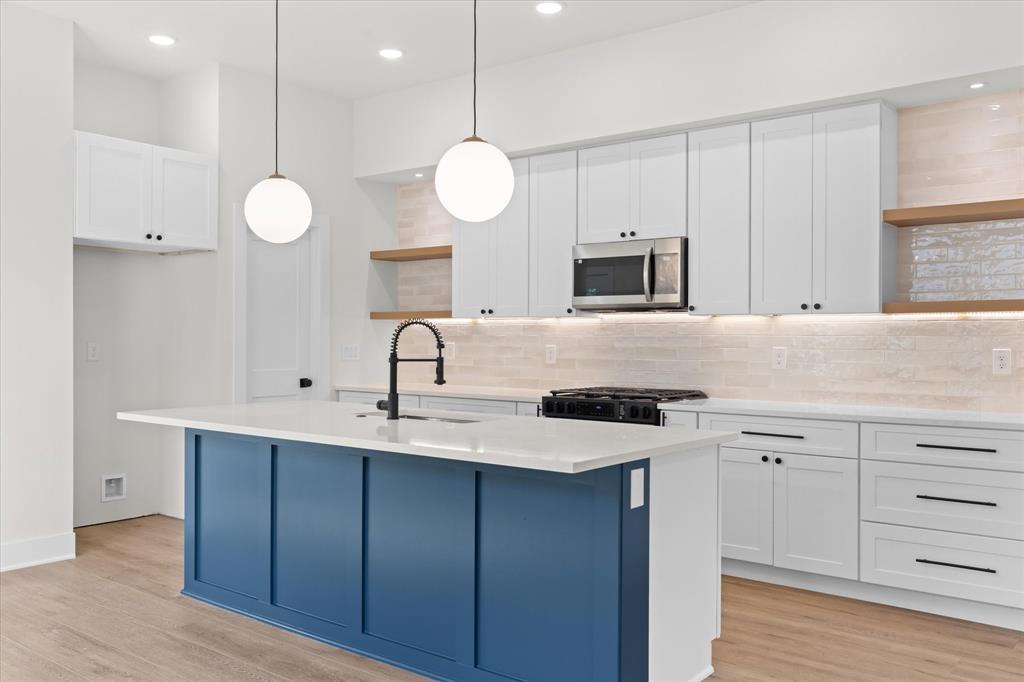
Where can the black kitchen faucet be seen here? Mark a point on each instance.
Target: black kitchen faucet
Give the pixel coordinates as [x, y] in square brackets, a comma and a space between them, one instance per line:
[391, 404]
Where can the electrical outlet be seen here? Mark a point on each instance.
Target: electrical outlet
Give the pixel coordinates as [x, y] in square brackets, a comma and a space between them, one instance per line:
[550, 354]
[113, 487]
[1001, 359]
[92, 352]
[350, 352]
[778, 357]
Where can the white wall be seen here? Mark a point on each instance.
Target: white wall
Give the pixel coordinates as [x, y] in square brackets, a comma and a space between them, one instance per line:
[36, 411]
[116, 103]
[754, 58]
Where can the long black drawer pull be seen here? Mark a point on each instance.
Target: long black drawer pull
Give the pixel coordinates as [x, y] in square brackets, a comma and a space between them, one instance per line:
[955, 447]
[943, 563]
[953, 499]
[773, 435]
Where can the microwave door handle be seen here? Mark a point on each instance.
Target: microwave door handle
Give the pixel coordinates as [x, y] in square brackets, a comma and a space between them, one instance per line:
[648, 257]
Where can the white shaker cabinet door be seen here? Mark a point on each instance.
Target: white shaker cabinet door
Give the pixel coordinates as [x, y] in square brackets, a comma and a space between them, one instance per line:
[658, 188]
[113, 190]
[719, 220]
[746, 477]
[471, 268]
[781, 227]
[847, 210]
[552, 233]
[184, 199]
[816, 514]
[510, 249]
[604, 200]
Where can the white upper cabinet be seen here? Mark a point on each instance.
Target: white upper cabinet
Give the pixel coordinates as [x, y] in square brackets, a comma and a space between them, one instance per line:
[490, 267]
[781, 187]
[113, 189]
[718, 221]
[847, 210]
[552, 233]
[185, 198]
[817, 187]
[633, 190]
[132, 195]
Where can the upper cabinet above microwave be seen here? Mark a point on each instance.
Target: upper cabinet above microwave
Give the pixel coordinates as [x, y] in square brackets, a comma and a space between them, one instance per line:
[632, 190]
[131, 195]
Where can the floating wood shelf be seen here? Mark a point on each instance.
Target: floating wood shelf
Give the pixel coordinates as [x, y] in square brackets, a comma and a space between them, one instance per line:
[1004, 209]
[407, 314]
[1005, 305]
[417, 253]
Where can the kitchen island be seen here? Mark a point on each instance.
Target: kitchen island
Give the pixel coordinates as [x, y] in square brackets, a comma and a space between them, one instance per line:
[460, 546]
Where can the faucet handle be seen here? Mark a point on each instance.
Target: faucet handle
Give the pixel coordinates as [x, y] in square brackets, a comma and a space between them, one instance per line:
[382, 404]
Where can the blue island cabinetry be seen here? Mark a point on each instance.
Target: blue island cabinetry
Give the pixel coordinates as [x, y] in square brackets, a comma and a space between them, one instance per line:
[453, 569]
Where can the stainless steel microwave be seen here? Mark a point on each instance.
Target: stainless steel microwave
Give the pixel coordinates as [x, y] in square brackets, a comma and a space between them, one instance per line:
[644, 274]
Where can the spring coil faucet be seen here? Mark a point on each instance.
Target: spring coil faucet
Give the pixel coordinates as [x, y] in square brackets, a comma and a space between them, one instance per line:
[391, 404]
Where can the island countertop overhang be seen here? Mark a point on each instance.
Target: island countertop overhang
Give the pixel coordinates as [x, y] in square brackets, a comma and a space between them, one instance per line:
[558, 445]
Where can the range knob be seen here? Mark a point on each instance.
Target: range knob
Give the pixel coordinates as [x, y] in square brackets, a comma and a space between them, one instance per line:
[549, 406]
[634, 412]
[570, 408]
[647, 412]
[560, 407]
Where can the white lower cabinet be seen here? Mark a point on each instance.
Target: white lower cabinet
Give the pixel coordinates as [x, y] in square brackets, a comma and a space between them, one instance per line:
[371, 398]
[790, 511]
[528, 409]
[433, 402]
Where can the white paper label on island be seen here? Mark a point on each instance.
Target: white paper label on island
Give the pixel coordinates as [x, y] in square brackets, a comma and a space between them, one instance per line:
[636, 488]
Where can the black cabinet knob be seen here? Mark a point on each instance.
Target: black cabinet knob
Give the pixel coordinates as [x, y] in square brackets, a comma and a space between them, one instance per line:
[778, 460]
[817, 306]
[483, 311]
[305, 382]
[692, 308]
[632, 233]
[803, 306]
[149, 236]
[490, 312]
[159, 237]
[764, 458]
[568, 310]
[622, 234]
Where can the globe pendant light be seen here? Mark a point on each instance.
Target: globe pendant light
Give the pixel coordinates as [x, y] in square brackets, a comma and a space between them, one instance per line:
[277, 209]
[474, 179]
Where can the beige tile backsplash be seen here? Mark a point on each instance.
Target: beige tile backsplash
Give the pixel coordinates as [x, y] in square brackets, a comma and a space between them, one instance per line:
[949, 152]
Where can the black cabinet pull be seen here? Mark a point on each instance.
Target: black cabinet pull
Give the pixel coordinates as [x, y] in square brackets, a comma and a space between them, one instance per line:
[538, 410]
[803, 306]
[953, 499]
[622, 234]
[149, 236]
[483, 311]
[692, 308]
[773, 435]
[159, 237]
[955, 447]
[305, 382]
[568, 310]
[817, 306]
[632, 233]
[963, 566]
[778, 460]
[764, 458]
[490, 312]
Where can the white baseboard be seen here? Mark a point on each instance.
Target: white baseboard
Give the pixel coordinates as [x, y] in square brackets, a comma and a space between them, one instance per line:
[978, 612]
[44, 550]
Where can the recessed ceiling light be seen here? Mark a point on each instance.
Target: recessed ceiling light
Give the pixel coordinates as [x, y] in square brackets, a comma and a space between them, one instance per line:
[550, 7]
[994, 107]
[162, 41]
[975, 86]
[390, 53]
[419, 175]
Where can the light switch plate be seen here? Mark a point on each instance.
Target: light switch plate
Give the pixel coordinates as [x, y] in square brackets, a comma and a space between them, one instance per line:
[636, 488]
[92, 352]
[1002, 361]
[550, 354]
[350, 351]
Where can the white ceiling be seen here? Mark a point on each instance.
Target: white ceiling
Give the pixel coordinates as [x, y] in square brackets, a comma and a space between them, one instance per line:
[332, 44]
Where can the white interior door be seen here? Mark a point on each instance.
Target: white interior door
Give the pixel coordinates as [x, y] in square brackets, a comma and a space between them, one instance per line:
[278, 315]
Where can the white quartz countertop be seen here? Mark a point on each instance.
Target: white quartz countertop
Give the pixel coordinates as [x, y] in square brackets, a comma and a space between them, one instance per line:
[562, 445]
[853, 413]
[522, 395]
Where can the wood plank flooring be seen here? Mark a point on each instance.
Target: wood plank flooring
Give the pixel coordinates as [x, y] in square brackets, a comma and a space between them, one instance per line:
[115, 613]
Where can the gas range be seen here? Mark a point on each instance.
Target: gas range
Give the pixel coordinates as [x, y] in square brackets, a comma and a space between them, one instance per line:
[609, 403]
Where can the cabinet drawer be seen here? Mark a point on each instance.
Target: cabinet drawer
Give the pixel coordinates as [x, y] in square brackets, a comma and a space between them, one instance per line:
[974, 448]
[685, 419]
[430, 402]
[943, 498]
[371, 398]
[957, 565]
[802, 436]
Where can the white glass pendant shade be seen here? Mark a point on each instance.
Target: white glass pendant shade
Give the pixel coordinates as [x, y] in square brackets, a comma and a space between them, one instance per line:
[278, 210]
[474, 180]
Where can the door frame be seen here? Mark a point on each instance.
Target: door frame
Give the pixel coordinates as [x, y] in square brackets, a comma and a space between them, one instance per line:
[319, 306]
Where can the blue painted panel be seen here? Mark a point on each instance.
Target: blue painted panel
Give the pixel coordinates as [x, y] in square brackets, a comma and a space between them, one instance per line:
[232, 528]
[410, 575]
[317, 531]
[548, 575]
[635, 608]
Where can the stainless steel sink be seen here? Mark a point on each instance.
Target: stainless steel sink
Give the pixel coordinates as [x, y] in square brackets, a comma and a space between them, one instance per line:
[419, 417]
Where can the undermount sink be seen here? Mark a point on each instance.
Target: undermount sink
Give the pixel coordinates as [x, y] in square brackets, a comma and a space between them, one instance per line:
[419, 417]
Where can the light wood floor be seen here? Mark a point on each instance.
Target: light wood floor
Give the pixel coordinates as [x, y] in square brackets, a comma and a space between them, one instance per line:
[115, 613]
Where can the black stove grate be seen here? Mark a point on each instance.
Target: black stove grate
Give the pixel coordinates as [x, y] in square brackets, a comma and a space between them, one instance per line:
[660, 395]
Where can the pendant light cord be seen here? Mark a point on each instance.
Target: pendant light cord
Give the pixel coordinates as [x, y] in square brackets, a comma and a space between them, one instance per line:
[276, 40]
[474, 68]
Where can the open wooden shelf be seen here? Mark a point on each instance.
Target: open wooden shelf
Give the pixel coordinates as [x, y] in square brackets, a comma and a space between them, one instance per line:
[1005, 305]
[407, 314]
[1003, 209]
[417, 253]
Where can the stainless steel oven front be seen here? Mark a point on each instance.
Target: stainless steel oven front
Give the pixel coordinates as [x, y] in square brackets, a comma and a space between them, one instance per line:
[634, 275]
